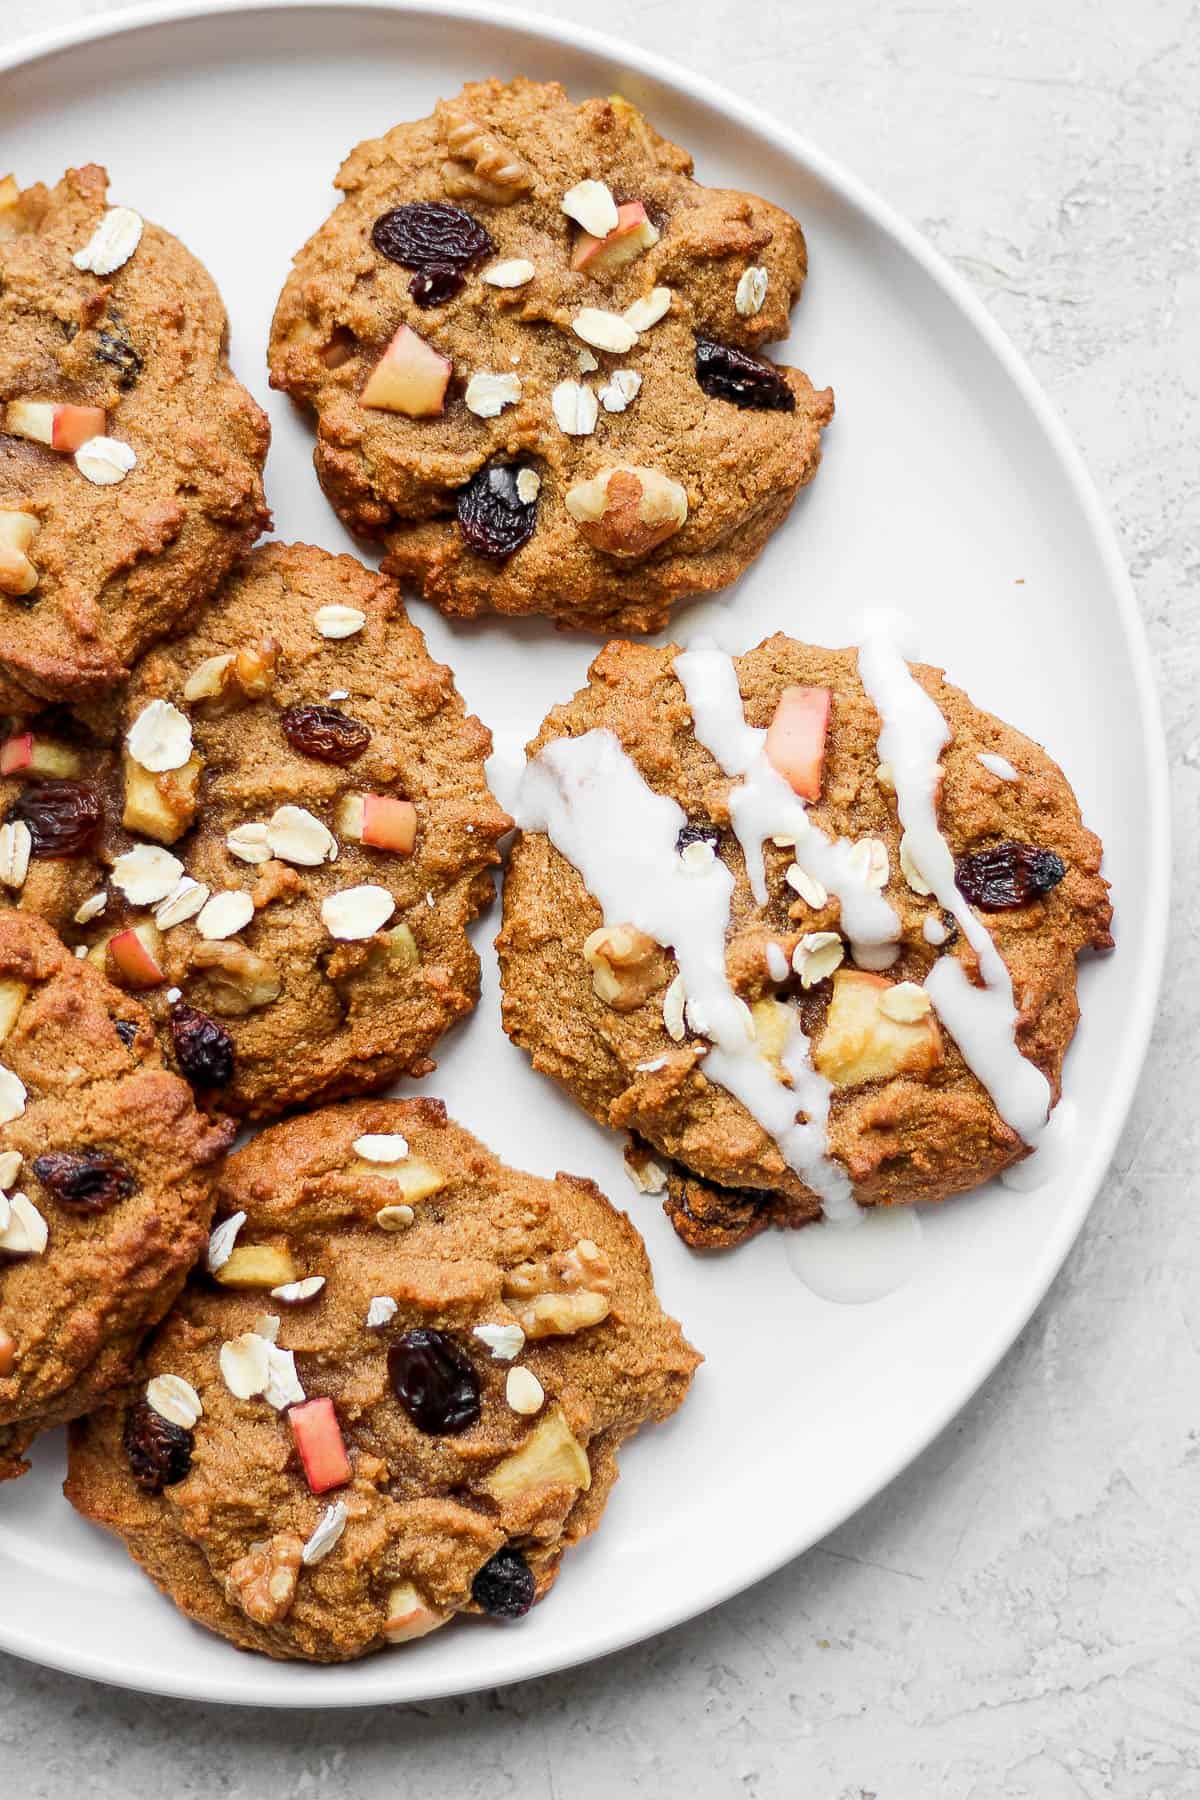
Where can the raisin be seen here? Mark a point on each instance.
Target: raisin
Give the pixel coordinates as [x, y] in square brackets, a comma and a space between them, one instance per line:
[115, 347]
[505, 1586]
[324, 733]
[428, 234]
[1008, 875]
[698, 834]
[493, 517]
[436, 284]
[159, 1452]
[950, 927]
[726, 373]
[204, 1051]
[64, 817]
[126, 1030]
[434, 1381]
[89, 1181]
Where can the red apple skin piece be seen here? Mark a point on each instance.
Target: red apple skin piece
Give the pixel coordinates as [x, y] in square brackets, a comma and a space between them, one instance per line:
[411, 377]
[631, 235]
[134, 960]
[74, 426]
[16, 754]
[318, 1438]
[389, 824]
[796, 738]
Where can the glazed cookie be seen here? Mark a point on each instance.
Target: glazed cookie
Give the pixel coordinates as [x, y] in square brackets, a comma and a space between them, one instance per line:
[130, 457]
[399, 1395]
[803, 921]
[105, 1184]
[285, 853]
[532, 344]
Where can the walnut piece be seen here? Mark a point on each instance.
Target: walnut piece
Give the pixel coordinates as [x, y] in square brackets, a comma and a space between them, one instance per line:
[627, 510]
[481, 164]
[236, 980]
[263, 1582]
[563, 1294]
[228, 681]
[623, 961]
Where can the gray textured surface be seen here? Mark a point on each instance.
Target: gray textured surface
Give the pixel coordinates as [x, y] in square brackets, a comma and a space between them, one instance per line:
[1018, 1618]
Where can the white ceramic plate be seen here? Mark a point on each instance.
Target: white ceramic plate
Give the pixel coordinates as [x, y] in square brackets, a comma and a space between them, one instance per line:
[948, 487]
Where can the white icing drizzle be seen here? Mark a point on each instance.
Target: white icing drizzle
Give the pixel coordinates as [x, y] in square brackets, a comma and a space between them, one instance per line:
[933, 931]
[981, 1020]
[763, 806]
[852, 1268]
[998, 765]
[591, 801]
[778, 966]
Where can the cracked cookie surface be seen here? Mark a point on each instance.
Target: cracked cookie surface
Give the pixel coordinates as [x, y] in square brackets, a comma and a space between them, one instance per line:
[472, 1371]
[96, 565]
[278, 835]
[437, 384]
[105, 1184]
[601, 1007]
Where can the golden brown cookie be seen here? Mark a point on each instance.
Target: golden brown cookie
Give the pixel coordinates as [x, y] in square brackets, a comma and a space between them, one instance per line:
[531, 342]
[105, 1184]
[398, 1395]
[285, 852]
[130, 457]
[838, 987]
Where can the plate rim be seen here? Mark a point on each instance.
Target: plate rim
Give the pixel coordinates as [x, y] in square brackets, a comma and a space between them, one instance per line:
[981, 1364]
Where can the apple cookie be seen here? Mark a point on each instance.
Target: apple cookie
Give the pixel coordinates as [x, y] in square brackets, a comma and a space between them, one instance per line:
[396, 1394]
[532, 343]
[804, 922]
[130, 458]
[284, 853]
[105, 1183]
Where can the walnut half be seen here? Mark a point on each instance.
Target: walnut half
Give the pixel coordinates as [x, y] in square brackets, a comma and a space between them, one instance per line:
[263, 1582]
[482, 165]
[627, 510]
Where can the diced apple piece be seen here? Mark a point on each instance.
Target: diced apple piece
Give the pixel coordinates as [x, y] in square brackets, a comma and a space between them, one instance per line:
[796, 738]
[633, 233]
[160, 806]
[16, 754]
[861, 1043]
[40, 756]
[318, 1438]
[51, 758]
[412, 1179]
[10, 193]
[772, 1020]
[402, 947]
[256, 1266]
[134, 954]
[551, 1456]
[12, 999]
[63, 426]
[378, 820]
[410, 377]
[17, 532]
[408, 1616]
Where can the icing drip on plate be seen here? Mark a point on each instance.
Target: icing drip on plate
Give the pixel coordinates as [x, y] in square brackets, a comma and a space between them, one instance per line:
[981, 1020]
[762, 805]
[590, 799]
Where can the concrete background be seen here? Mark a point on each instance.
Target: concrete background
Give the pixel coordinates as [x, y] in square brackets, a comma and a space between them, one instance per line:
[1017, 1618]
